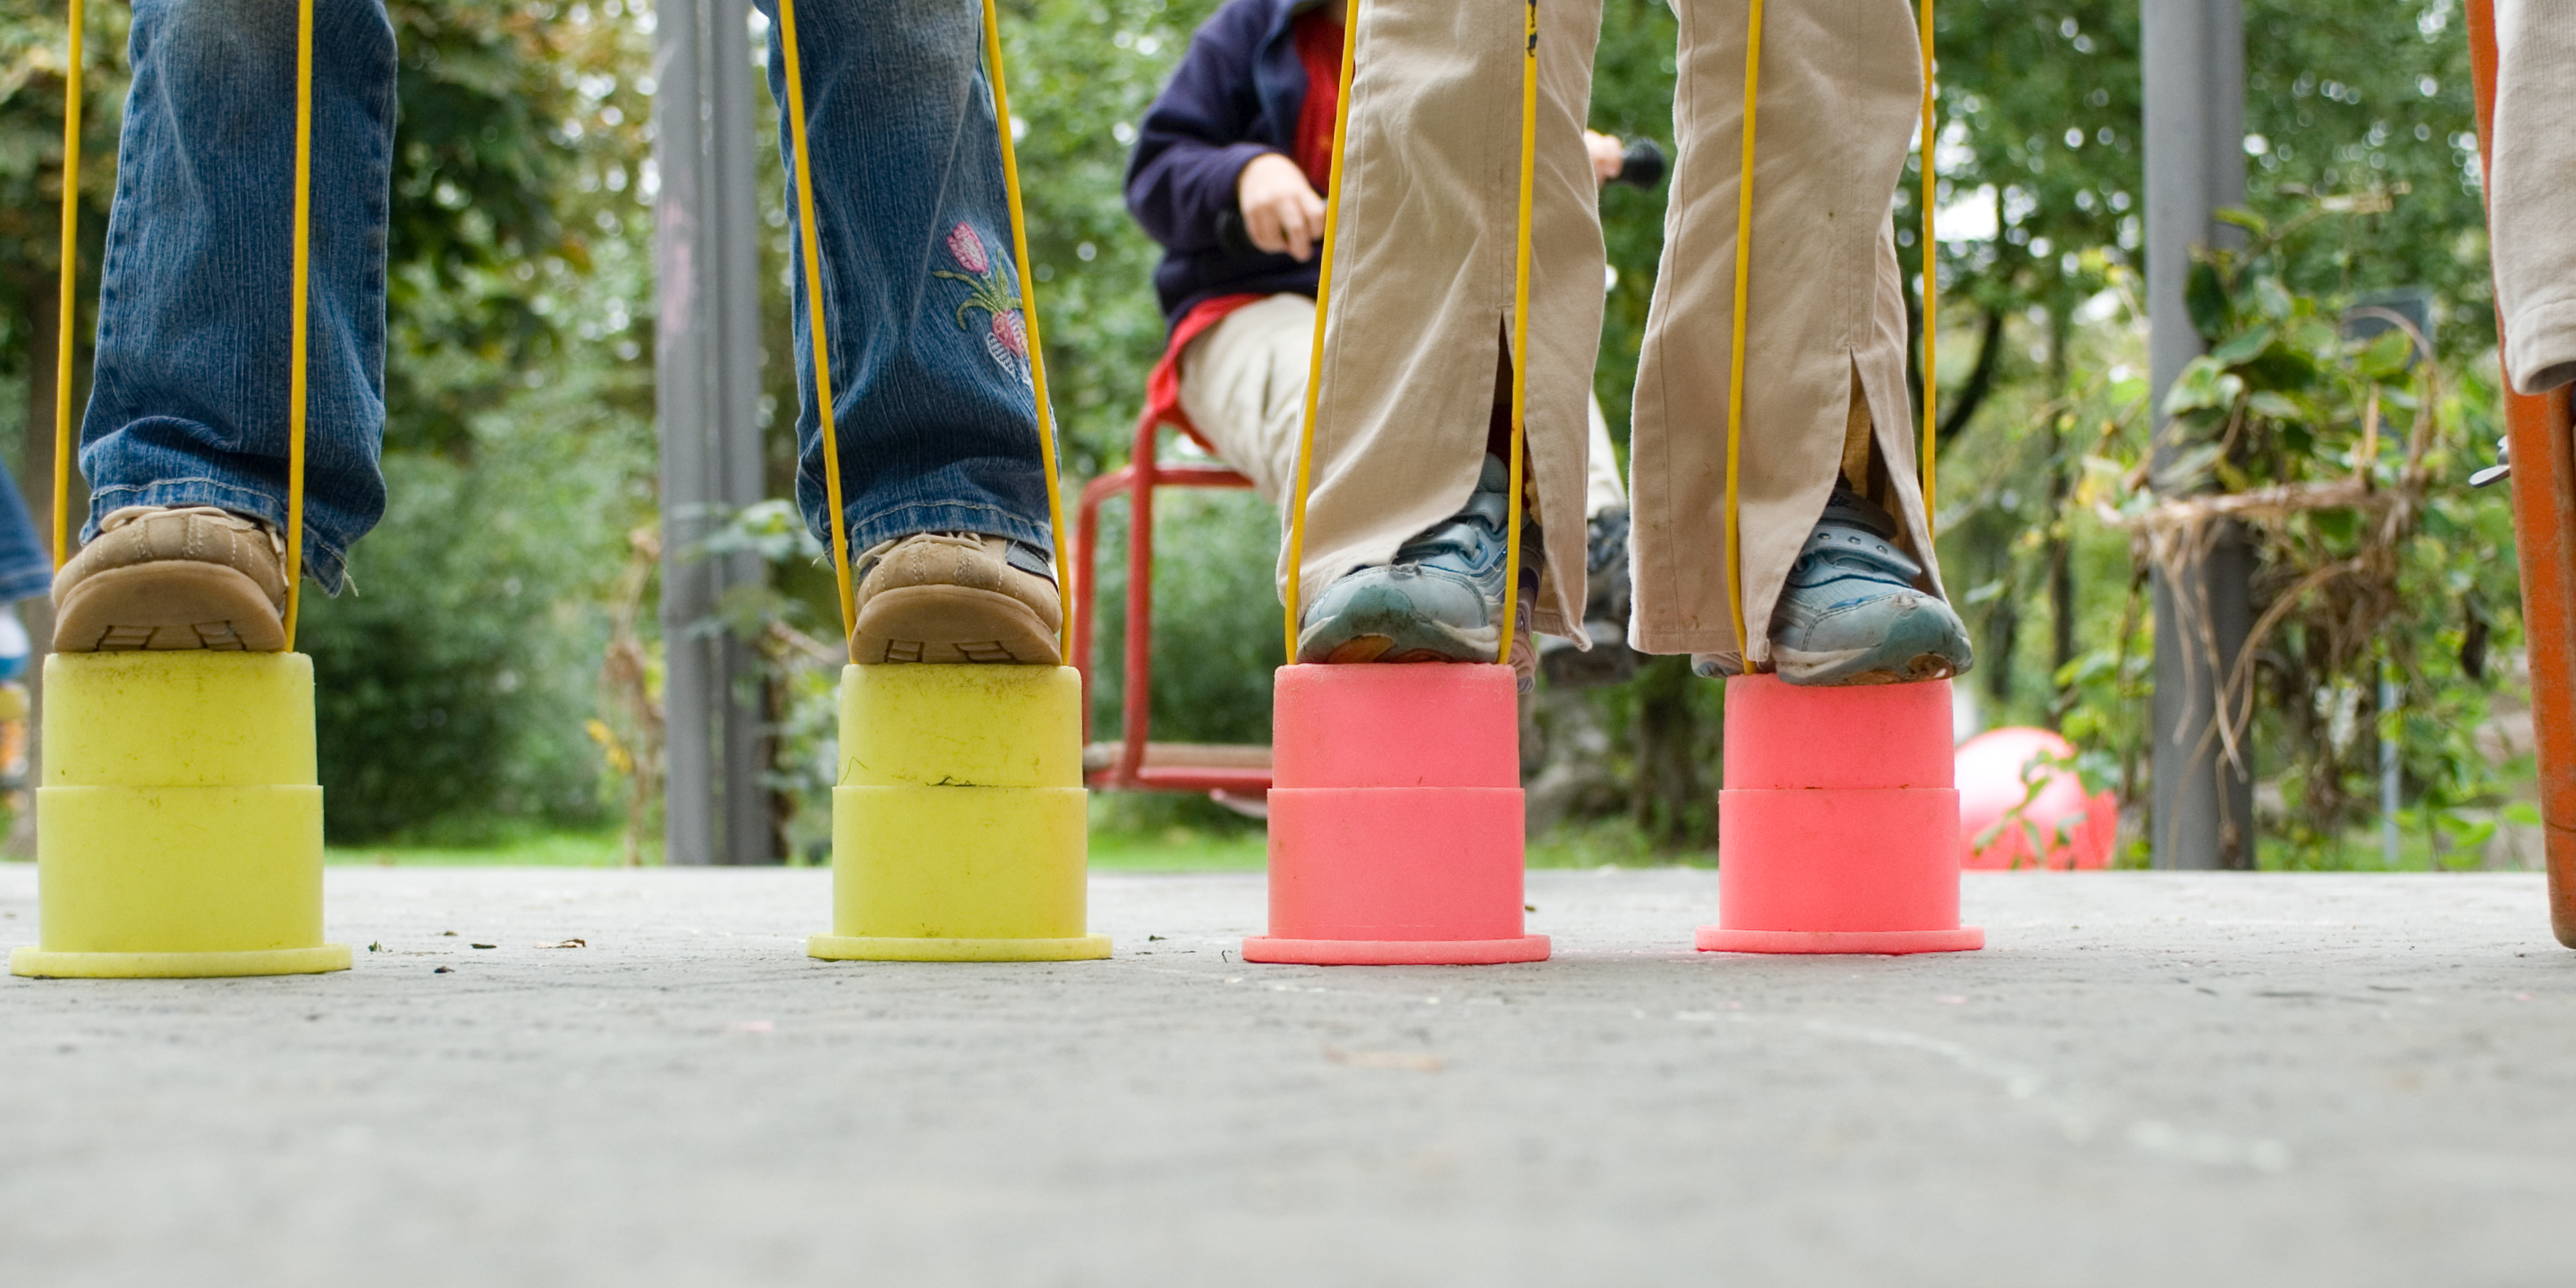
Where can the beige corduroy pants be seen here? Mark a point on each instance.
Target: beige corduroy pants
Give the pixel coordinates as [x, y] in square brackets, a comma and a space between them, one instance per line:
[1422, 285]
[2531, 204]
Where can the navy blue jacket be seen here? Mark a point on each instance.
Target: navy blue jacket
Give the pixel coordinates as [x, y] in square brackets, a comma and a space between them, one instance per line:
[1236, 94]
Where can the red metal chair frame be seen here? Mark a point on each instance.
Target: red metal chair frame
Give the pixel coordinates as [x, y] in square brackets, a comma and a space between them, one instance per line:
[1133, 763]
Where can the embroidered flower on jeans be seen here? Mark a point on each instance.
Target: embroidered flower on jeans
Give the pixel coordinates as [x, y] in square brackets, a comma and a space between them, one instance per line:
[1006, 333]
[968, 249]
[1013, 331]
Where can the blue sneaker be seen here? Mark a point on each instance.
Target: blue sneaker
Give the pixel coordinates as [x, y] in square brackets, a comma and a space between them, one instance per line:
[1442, 598]
[1850, 613]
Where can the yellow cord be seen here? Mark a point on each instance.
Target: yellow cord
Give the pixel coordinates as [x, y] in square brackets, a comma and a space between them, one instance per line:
[295, 381]
[816, 333]
[1029, 315]
[67, 318]
[1735, 373]
[1520, 330]
[1323, 298]
[1931, 291]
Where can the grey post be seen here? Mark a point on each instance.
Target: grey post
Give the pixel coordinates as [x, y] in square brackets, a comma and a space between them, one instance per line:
[2194, 68]
[707, 261]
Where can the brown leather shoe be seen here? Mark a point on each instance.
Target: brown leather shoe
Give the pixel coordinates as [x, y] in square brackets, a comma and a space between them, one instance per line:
[189, 578]
[955, 597]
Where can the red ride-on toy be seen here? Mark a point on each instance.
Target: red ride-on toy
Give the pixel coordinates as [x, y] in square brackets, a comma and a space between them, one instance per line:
[1236, 776]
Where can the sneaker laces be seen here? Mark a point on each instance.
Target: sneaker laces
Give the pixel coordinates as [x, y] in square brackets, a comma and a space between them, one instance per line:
[1470, 543]
[1028, 558]
[127, 516]
[1853, 541]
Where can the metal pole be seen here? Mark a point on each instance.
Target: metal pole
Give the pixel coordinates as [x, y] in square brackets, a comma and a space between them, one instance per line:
[2194, 69]
[681, 371]
[715, 808]
[736, 464]
[2391, 764]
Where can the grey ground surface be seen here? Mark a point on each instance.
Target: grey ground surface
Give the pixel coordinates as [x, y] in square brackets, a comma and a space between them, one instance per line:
[2146, 1079]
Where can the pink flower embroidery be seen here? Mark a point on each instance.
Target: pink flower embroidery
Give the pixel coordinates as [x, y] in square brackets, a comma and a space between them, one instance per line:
[1006, 334]
[1013, 331]
[968, 249]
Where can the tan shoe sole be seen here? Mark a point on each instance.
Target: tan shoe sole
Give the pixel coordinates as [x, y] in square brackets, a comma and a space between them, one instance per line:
[167, 604]
[951, 624]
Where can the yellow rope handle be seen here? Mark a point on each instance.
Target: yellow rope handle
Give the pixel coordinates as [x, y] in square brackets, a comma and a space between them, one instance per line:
[816, 334]
[1315, 360]
[1931, 287]
[1520, 330]
[1735, 371]
[1029, 316]
[66, 317]
[302, 312]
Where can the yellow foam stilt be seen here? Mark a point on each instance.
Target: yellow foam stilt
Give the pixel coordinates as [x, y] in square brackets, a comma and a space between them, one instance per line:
[959, 821]
[179, 821]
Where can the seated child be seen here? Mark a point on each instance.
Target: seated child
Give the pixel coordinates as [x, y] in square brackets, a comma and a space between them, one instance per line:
[1229, 166]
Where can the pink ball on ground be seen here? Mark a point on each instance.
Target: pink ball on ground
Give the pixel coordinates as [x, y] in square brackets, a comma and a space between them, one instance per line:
[2073, 831]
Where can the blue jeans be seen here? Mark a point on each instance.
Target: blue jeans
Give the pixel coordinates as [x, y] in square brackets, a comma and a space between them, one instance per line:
[25, 570]
[188, 402]
[931, 398]
[937, 426]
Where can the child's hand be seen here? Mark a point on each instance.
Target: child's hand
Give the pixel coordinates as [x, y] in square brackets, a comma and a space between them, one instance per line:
[1280, 209]
[1608, 156]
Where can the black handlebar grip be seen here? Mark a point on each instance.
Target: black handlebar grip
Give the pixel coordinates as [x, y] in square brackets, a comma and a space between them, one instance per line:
[1234, 237]
[1642, 165]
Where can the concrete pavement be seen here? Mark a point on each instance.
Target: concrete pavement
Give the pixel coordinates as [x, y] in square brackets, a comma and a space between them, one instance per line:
[2146, 1079]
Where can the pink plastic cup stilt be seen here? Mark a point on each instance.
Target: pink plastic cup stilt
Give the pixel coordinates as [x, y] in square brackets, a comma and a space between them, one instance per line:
[1395, 818]
[1838, 829]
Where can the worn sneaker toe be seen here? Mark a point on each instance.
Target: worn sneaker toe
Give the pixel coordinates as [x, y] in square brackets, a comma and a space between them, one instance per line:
[1897, 638]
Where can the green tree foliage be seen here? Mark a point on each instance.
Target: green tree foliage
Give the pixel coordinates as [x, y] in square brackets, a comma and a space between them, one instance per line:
[2336, 450]
[454, 683]
[2360, 171]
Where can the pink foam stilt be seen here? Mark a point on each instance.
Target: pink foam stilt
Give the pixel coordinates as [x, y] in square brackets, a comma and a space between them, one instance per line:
[1395, 818]
[1838, 828]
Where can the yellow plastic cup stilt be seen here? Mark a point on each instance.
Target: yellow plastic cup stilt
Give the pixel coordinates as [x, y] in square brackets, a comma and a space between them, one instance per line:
[179, 822]
[959, 826]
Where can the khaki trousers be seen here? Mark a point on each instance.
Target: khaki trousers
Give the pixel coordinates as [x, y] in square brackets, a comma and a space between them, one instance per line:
[2533, 191]
[1422, 284]
[1243, 383]
[1825, 319]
